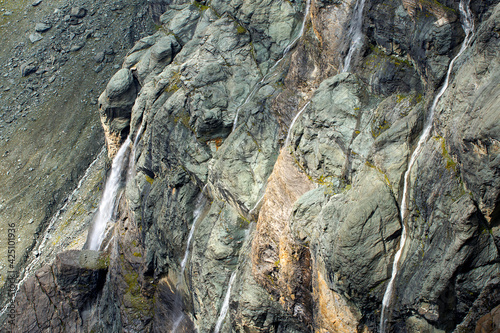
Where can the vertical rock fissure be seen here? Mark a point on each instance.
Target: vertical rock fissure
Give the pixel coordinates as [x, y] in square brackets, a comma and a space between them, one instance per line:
[468, 27]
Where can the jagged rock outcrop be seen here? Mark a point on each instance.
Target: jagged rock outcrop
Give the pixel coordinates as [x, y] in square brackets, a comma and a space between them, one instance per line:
[265, 187]
[57, 297]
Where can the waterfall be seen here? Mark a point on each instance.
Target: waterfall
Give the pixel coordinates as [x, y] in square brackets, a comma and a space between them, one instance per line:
[270, 73]
[108, 201]
[225, 304]
[468, 26]
[200, 204]
[287, 141]
[355, 34]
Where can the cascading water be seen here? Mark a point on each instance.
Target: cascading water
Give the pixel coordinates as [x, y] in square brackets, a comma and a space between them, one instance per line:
[200, 204]
[287, 141]
[355, 34]
[468, 26]
[108, 201]
[225, 304]
[271, 73]
[109, 196]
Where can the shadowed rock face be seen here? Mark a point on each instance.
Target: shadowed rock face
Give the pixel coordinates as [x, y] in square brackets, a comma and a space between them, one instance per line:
[309, 230]
[57, 297]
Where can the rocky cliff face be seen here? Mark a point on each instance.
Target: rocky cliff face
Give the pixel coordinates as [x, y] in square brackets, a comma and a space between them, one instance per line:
[266, 178]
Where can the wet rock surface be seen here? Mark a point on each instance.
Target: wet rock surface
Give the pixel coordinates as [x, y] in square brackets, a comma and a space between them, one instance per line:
[301, 217]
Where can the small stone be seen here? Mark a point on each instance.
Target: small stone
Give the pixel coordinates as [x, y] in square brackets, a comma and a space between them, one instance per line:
[78, 12]
[74, 21]
[109, 51]
[76, 47]
[36, 3]
[35, 37]
[7, 13]
[66, 18]
[99, 57]
[42, 27]
[27, 69]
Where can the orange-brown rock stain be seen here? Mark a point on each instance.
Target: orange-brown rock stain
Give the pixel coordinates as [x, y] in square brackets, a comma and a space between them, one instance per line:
[281, 265]
[332, 311]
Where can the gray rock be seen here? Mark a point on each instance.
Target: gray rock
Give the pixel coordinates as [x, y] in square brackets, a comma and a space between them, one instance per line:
[77, 47]
[164, 49]
[78, 12]
[99, 57]
[27, 69]
[36, 3]
[181, 22]
[119, 84]
[35, 37]
[42, 27]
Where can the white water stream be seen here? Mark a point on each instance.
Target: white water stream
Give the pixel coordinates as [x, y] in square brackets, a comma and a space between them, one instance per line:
[113, 184]
[225, 304]
[468, 26]
[108, 201]
[271, 73]
[355, 34]
[287, 141]
[200, 204]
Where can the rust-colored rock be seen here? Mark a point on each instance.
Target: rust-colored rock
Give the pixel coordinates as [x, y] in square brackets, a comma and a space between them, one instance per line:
[332, 312]
[443, 14]
[489, 323]
[280, 264]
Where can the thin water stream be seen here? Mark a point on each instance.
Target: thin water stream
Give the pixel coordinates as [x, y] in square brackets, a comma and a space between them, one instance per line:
[468, 26]
[355, 34]
[200, 205]
[287, 141]
[227, 297]
[225, 304]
